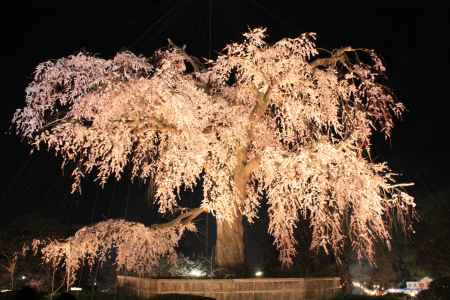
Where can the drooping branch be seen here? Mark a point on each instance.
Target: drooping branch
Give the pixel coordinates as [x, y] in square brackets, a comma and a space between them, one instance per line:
[138, 248]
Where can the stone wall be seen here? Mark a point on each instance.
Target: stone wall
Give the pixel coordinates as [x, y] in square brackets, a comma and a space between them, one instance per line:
[233, 289]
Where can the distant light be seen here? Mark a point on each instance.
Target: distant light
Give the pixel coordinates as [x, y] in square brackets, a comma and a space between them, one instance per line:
[259, 273]
[75, 289]
[197, 273]
[23, 277]
[410, 292]
[364, 289]
[5, 291]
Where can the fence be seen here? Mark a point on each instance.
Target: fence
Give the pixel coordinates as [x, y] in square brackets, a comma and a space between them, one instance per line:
[233, 289]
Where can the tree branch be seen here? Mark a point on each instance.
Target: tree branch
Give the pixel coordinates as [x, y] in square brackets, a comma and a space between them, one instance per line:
[244, 168]
[194, 62]
[401, 185]
[243, 172]
[159, 123]
[187, 215]
[261, 105]
[336, 56]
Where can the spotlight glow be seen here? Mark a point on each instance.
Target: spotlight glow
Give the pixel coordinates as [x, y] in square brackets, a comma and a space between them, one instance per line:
[197, 273]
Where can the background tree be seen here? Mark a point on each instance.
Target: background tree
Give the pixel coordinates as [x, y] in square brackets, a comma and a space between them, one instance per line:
[16, 240]
[262, 121]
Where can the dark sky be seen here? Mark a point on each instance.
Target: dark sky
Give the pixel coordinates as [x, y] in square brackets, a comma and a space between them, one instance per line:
[413, 41]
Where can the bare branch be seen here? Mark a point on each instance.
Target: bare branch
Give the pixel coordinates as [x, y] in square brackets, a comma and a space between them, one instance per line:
[193, 61]
[187, 216]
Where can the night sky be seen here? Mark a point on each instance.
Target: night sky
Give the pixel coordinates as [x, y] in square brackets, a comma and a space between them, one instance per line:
[414, 43]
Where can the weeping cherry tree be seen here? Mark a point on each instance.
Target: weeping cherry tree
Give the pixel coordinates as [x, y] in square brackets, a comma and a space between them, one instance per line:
[280, 123]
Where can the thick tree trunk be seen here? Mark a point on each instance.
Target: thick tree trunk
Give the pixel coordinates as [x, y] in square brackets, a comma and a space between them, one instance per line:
[230, 252]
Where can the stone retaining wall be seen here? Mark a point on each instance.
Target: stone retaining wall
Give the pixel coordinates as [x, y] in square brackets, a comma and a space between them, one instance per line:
[233, 289]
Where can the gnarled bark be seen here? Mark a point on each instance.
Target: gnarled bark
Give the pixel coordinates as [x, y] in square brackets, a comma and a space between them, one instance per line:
[230, 251]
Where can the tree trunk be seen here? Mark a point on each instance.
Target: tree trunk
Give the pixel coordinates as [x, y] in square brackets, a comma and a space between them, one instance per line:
[346, 279]
[344, 270]
[230, 252]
